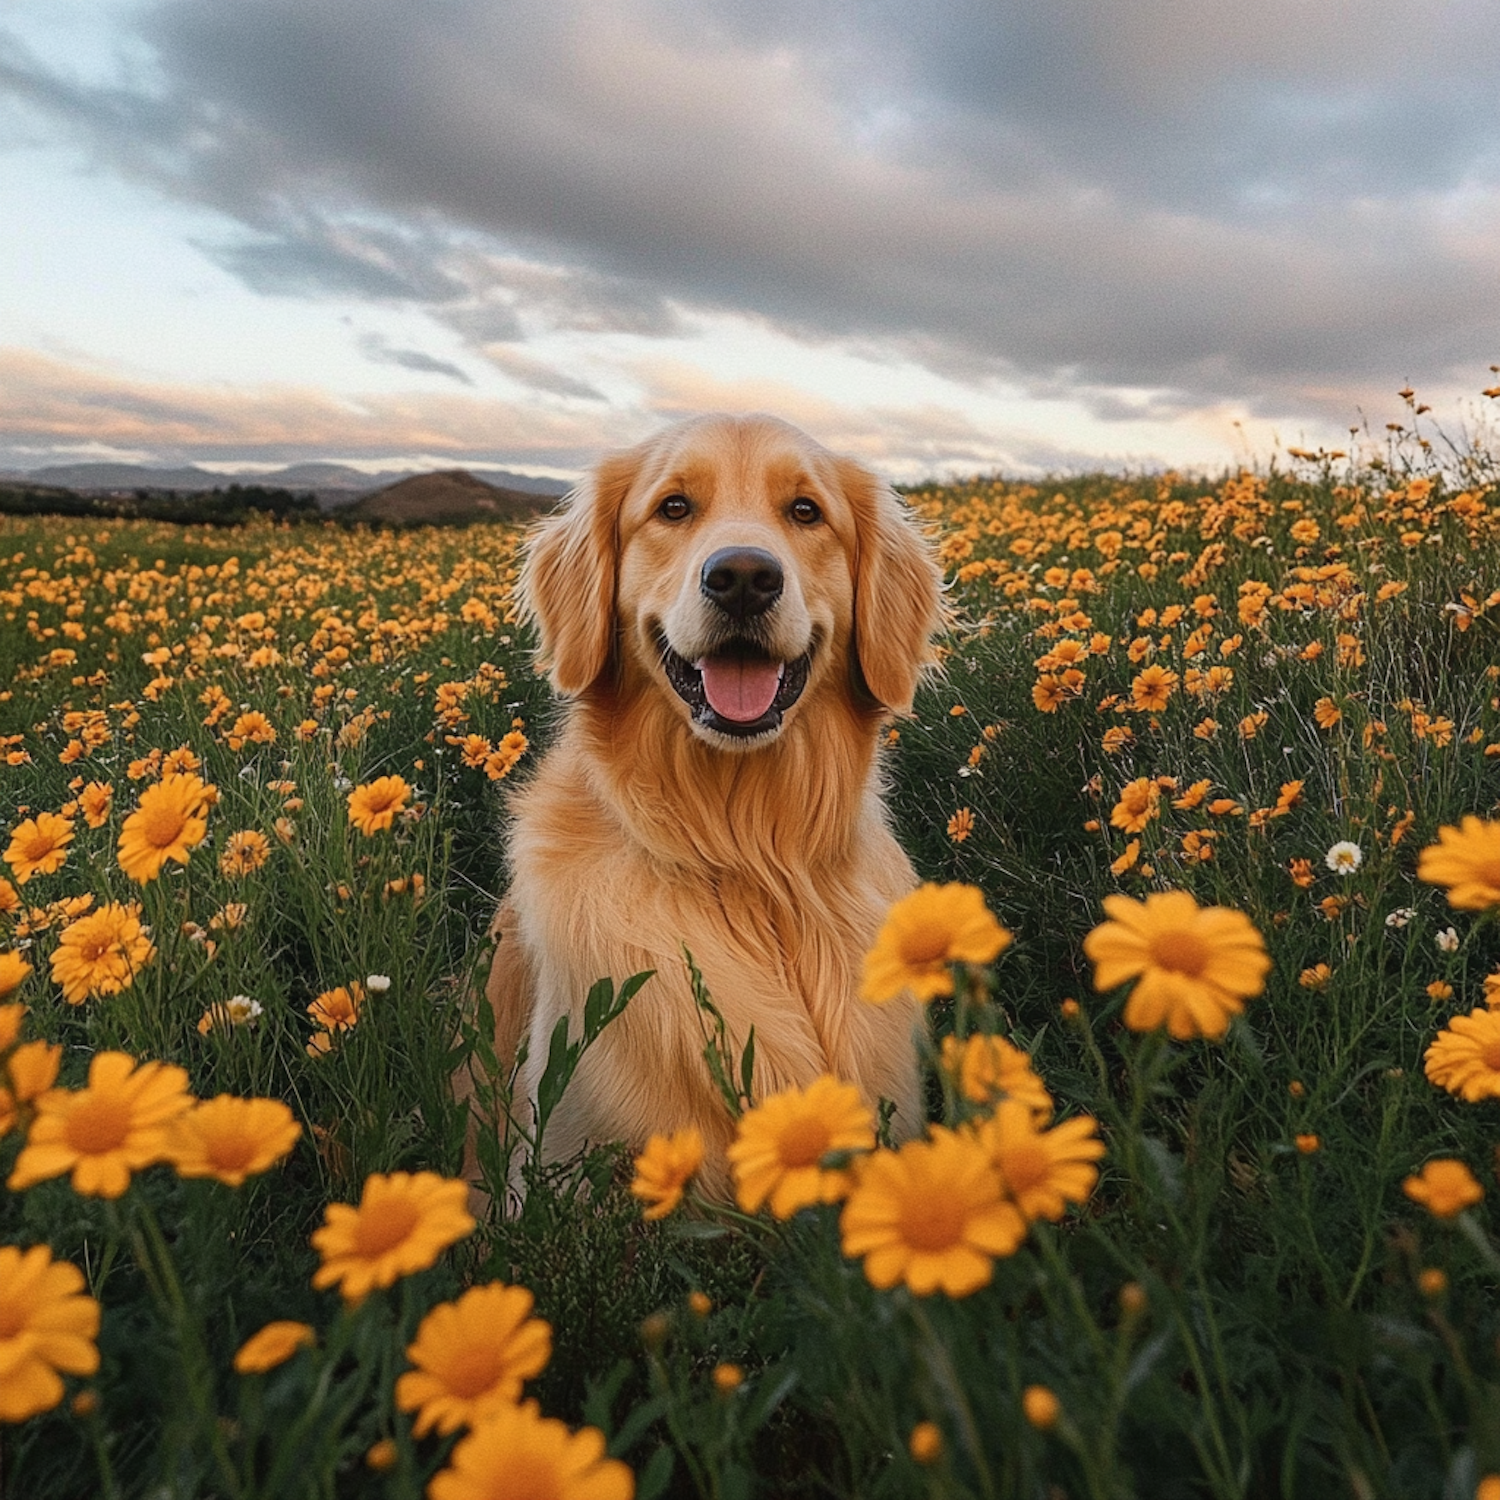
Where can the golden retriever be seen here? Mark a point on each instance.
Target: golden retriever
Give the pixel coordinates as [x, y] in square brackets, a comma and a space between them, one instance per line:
[730, 612]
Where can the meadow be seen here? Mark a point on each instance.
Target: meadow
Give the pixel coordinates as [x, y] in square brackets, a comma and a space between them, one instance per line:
[1203, 791]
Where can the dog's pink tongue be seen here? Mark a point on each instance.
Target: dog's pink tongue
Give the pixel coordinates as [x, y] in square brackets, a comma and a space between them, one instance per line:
[739, 689]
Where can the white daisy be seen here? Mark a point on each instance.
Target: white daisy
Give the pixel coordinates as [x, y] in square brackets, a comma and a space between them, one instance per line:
[1344, 858]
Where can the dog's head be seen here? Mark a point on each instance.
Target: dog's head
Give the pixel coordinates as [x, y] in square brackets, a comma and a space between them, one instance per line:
[741, 567]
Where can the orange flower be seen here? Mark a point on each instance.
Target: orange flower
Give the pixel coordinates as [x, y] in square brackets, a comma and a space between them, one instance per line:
[374, 806]
[403, 1222]
[1138, 805]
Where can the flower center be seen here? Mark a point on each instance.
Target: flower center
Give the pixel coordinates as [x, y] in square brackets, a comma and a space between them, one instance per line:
[98, 1123]
[471, 1371]
[162, 827]
[231, 1153]
[533, 1475]
[382, 1226]
[803, 1142]
[1490, 1056]
[932, 1223]
[927, 945]
[1487, 872]
[1024, 1166]
[1179, 950]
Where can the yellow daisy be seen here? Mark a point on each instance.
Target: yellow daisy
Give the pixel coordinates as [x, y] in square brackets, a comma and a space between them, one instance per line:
[1445, 1188]
[472, 1356]
[117, 1124]
[38, 846]
[1194, 966]
[1466, 860]
[231, 1139]
[100, 953]
[172, 819]
[664, 1168]
[779, 1147]
[518, 1454]
[13, 972]
[244, 852]
[30, 1070]
[1464, 1057]
[932, 1215]
[374, 806]
[985, 1067]
[1042, 1170]
[48, 1325]
[403, 1222]
[275, 1344]
[338, 1009]
[925, 932]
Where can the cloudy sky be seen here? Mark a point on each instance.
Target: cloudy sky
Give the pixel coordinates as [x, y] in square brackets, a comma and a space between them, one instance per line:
[948, 236]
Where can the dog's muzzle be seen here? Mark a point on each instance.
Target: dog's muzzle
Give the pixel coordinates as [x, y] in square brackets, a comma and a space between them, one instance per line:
[739, 690]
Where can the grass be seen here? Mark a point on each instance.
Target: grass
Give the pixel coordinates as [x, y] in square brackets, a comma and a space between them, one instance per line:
[1230, 1313]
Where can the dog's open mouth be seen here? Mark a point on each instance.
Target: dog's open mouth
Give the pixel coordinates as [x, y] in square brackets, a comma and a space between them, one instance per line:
[739, 690]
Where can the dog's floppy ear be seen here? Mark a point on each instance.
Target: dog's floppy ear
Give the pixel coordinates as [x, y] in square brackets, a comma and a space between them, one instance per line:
[568, 580]
[897, 590]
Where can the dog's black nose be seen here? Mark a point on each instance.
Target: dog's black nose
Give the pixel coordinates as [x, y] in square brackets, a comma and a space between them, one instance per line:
[742, 581]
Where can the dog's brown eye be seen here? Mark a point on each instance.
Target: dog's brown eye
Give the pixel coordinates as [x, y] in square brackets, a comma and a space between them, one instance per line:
[675, 508]
[805, 512]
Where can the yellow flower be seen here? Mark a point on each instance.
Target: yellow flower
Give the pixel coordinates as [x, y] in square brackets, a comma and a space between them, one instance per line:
[403, 1222]
[1195, 966]
[275, 1344]
[381, 1455]
[338, 1009]
[662, 1170]
[11, 1017]
[94, 802]
[172, 818]
[779, 1147]
[1445, 1188]
[237, 1010]
[1152, 688]
[1041, 1170]
[1466, 860]
[923, 933]
[1139, 802]
[987, 1066]
[244, 852]
[925, 1443]
[472, 1356]
[103, 1132]
[518, 1454]
[1040, 1407]
[931, 1215]
[231, 1139]
[961, 825]
[1326, 713]
[47, 1325]
[38, 846]
[1464, 1057]
[100, 953]
[32, 1070]
[374, 806]
[13, 972]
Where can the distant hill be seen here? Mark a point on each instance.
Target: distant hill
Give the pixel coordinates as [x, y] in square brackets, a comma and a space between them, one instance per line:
[451, 497]
[331, 482]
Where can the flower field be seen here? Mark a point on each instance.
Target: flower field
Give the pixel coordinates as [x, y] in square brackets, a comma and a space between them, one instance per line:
[1206, 800]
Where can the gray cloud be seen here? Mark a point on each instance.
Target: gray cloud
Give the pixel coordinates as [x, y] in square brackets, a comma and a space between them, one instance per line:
[1277, 204]
[374, 347]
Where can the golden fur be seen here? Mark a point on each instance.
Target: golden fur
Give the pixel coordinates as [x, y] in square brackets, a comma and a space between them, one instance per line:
[642, 831]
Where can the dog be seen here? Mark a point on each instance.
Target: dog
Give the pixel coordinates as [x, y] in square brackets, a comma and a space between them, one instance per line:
[731, 615]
